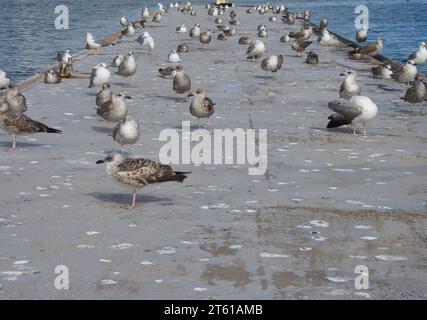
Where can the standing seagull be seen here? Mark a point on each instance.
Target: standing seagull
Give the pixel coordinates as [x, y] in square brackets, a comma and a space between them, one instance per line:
[139, 172]
[100, 75]
[128, 67]
[300, 45]
[146, 41]
[419, 56]
[357, 109]
[65, 60]
[91, 44]
[157, 17]
[104, 95]
[17, 123]
[416, 93]
[145, 13]
[123, 21]
[255, 50]
[126, 132]
[4, 79]
[362, 35]
[349, 87]
[272, 64]
[181, 81]
[114, 110]
[201, 106]
[324, 23]
[15, 99]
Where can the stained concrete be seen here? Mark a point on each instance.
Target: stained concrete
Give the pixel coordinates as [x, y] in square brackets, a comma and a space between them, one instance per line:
[329, 201]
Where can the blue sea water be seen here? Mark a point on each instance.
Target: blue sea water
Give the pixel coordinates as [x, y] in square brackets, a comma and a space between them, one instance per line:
[29, 40]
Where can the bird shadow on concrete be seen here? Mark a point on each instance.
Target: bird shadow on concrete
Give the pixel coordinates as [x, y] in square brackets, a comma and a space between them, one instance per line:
[265, 78]
[20, 144]
[126, 198]
[101, 129]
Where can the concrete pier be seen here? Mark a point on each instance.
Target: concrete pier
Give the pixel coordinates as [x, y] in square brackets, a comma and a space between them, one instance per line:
[328, 202]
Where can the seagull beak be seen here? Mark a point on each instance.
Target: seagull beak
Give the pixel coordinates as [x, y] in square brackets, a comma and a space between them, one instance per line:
[190, 94]
[342, 74]
[100, 161]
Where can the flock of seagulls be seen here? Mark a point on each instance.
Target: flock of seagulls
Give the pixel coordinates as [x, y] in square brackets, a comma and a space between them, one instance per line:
[352, 108]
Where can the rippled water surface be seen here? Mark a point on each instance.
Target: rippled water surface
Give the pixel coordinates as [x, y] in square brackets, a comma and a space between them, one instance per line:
[29, 40]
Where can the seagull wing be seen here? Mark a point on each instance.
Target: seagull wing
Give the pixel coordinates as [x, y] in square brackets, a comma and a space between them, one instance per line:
[140, 172]
[347, 110]
[23, 124]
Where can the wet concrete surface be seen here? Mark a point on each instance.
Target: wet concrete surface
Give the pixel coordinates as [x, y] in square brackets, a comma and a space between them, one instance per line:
[328, 202]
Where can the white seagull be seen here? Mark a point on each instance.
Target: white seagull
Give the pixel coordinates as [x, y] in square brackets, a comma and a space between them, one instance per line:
[359, 109]
[146, 41]
[174, 57]
[90, 42]
[100, 75]
[4, 79]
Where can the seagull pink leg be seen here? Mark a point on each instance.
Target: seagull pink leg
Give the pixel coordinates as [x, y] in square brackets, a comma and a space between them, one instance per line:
[13, 149]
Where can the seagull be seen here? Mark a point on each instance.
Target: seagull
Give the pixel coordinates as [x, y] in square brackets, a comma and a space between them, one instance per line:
[182, 47]
[372, 49]
[382, 72]
[174, 57]
[51, 77]
[145, 13]
[15, 99]
[359, 109]
[234, 22]
[416, 93]
[327, 39]
[117, 60]
[126, 132]
[113, 110]
[17, 123]
[304, 34]
[272, 63]
[104, 95]
[323, 23]
[100, 75]
[362, 35]
[201, 106]
[181, 29]
[205, 37]
[168, 72]
[229, 31]
[160, 7]
[263, 33]
[419, 56]
[90, 43]
[128, 67]
[300, 45]
[255, 50]
[222, 36]
[349, 87]
[130, 30]
[312, 58]
[286, 38]
[139, 172]
[195, 31]
[181, 81]
[245, 40]
[272, 19]
[123, 21]
[4, 79]
[405, 73]
[65, 60]
[157, 17]
[146, 41]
